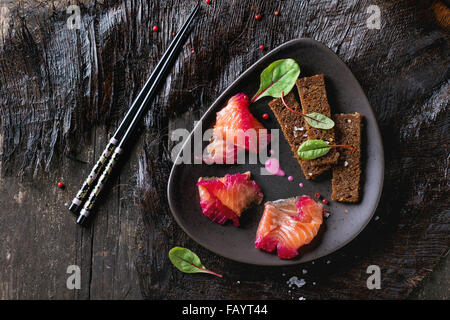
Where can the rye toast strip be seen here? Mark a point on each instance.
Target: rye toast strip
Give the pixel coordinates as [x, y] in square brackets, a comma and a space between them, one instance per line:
[346, 174]
[294, 130]
[313, 97]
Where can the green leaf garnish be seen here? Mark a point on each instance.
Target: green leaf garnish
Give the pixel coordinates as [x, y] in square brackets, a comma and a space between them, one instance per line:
[314, 119]
[313, 149]
[319, 121]
[188, 262]
[277, 77]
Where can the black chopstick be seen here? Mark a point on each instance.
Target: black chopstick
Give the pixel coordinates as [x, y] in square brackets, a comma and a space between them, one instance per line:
[88, 183]
[128, 125]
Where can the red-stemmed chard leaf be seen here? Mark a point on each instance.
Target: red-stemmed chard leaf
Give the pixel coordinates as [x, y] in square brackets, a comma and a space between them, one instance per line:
[188, 262]
[279, 76]
[313, 149]
[314, 119]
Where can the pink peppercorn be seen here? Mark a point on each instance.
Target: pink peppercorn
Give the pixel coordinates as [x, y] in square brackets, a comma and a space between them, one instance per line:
[325, 201]
[290, 178]
[261, 47]
[258, 17]
[265, 116]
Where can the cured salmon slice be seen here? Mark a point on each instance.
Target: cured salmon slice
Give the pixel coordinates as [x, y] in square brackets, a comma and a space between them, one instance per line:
[225, 198]
[235, 130]
[288, 224]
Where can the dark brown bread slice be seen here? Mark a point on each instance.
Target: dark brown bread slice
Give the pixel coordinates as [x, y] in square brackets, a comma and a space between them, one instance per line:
[294, 131]
[346, 174]
[313, 97]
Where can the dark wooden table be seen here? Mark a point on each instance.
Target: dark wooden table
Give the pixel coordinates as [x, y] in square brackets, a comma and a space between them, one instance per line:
[63, 91]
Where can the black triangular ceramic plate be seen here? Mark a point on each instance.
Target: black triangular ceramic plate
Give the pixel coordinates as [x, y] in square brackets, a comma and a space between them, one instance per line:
[345, 96]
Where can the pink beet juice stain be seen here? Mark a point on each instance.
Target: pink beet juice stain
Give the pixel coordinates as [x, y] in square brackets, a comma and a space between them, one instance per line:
[273, 166]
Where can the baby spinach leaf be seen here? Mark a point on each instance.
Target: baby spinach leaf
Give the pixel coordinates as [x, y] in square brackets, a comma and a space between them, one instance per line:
[188, 262]
[277, 77]
[319, 121]
[312, 149]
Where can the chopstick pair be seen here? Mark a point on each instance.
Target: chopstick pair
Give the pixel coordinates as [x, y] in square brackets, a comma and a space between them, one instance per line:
[114, 148]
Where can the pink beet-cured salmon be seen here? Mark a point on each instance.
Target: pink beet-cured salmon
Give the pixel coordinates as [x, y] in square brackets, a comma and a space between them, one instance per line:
[224, 199]
[288, 224]
[235, 130]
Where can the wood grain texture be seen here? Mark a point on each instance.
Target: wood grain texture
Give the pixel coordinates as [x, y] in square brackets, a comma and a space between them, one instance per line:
[61, 92]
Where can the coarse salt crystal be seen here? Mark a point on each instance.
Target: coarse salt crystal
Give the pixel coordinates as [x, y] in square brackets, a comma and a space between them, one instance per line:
[310, 174]
[345, 163]
[301, 298]
[328, 262]
[305, 271]
[296, 281]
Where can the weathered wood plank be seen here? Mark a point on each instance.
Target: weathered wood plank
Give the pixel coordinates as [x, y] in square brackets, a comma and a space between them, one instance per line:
[79, 66]
[40, 237]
